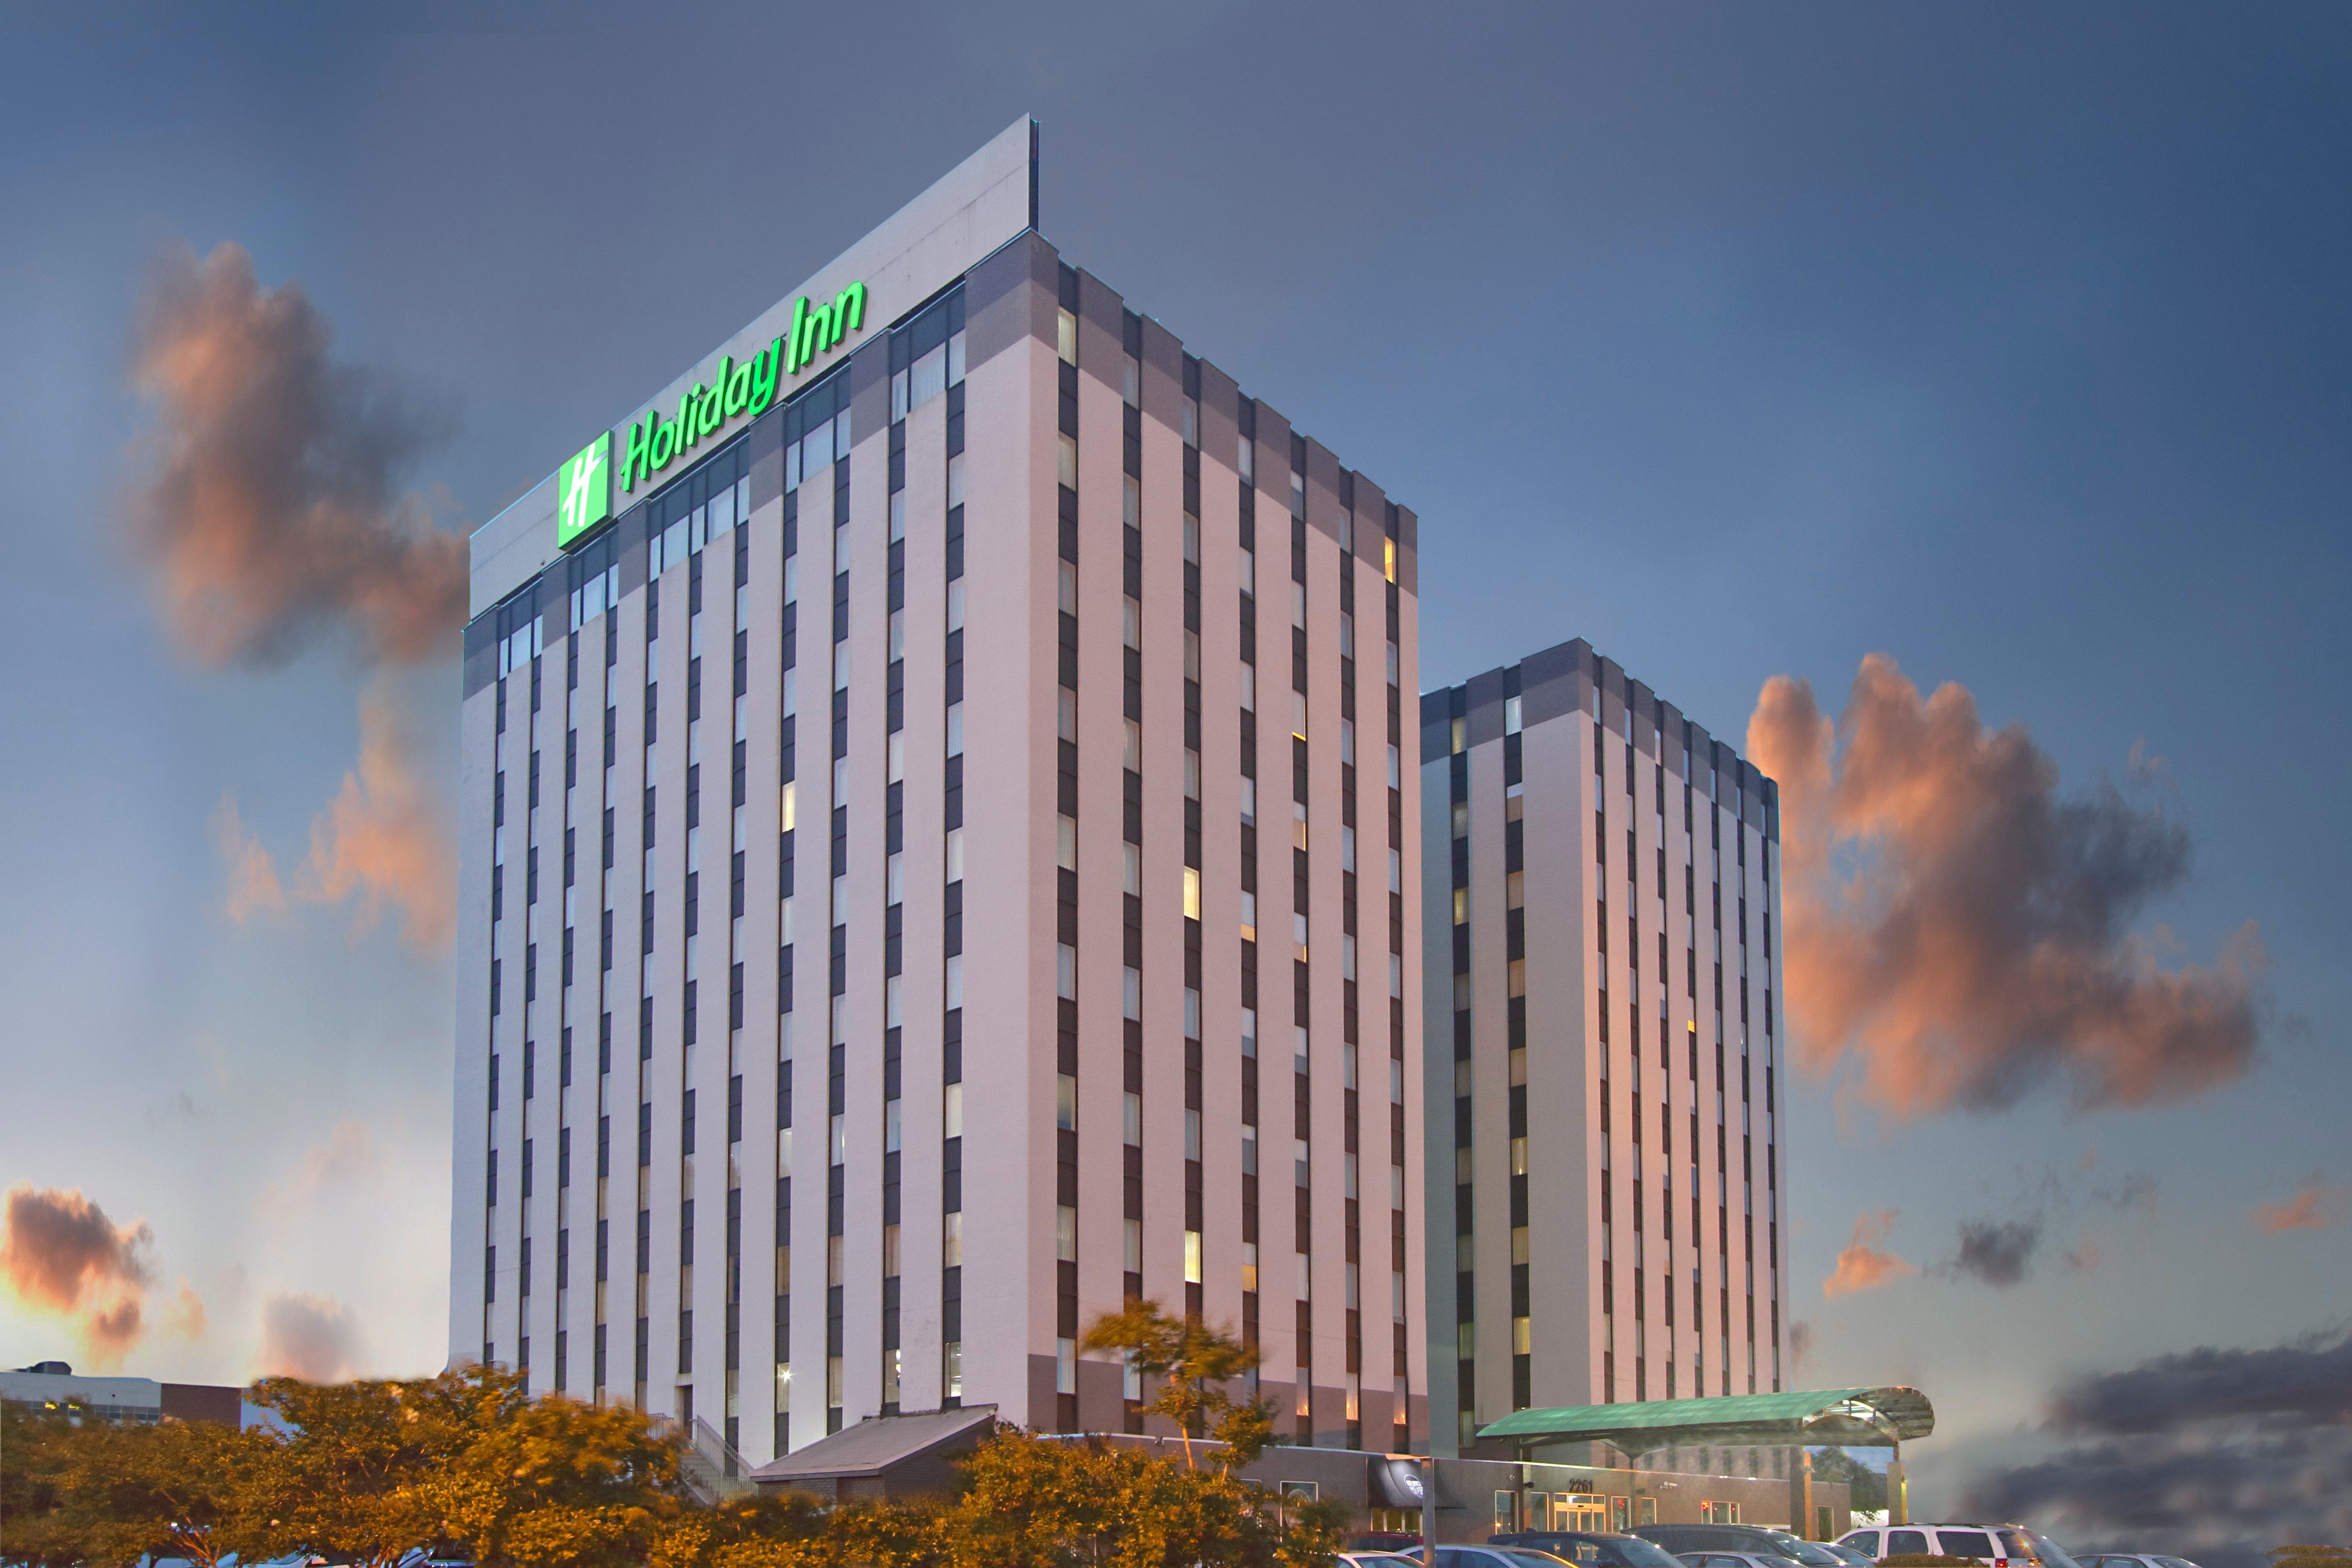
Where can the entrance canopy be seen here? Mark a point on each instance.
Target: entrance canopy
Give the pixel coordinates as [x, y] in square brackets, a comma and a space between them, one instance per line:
[1880, 1418]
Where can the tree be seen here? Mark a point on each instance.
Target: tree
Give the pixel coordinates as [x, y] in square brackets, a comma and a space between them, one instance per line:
[1193, 1363]
[1866, 1488]
[80, 1488]
[559, 1483]
[33, 1444]
[1036, 1503]
[465, 1460]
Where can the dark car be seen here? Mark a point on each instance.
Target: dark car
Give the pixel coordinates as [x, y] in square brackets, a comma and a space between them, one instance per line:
[1753, 1540]
[1592, 1548]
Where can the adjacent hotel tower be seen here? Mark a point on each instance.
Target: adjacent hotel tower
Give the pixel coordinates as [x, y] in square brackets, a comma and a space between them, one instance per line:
[1605, 1043]
[935, 866]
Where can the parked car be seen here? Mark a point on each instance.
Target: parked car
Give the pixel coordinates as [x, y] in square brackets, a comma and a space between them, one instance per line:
[1377, 1558]
[1405, 1541]
[1733, 1560]
[1591, 1548]
[2002, 1545]
[1757, 1540]
[1497, 1557]
[2134, 1560]
[1838, 1549]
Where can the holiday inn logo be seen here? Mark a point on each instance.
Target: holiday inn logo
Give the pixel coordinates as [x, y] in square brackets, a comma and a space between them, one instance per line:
[583, 487]
[583, 492]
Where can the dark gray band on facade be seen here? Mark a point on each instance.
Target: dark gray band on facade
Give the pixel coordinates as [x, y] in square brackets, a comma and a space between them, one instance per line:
[1221, 414]
[870, 389]
[1102, 330]
[1010, 296]
[480, 665]
[1482, 708]
[1569, 678]
[766, 460]
[1163, 375]
[1555, 682]
[1436, 719]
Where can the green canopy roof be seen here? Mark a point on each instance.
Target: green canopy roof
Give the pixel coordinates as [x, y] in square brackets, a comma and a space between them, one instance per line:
[1863, 1416]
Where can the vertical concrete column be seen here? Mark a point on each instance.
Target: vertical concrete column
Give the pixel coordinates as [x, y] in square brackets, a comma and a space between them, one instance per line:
[1801, 1495]
[1428, 1512]
[1898, 1501]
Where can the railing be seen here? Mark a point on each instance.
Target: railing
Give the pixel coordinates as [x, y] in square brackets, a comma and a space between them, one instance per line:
[710, 1468]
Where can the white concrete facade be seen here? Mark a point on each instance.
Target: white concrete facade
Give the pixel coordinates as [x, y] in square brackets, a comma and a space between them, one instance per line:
[1004, 938]
[1602, 975]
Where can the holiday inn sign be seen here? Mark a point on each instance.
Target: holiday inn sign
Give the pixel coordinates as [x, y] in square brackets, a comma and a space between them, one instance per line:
[584, 485]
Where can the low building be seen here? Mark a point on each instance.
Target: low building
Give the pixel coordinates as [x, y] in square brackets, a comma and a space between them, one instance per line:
[898, 1455]
[140, 1399]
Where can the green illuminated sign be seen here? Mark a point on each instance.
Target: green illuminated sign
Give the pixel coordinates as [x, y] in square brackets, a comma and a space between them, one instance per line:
[746, 389]
[584, 490]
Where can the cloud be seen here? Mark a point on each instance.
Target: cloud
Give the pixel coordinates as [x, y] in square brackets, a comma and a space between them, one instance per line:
[2214, 1449]
[253, 885]
[61, 1255]
[308, 1336]
[2301, 1212]
[1958, 931]
[348, 1150]
[1997, 1252]
[183, 1317]
[273, 505]
[1863, 1266]
[385, 839]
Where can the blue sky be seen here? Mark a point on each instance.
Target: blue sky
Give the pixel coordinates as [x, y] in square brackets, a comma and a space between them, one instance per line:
[1741, 340]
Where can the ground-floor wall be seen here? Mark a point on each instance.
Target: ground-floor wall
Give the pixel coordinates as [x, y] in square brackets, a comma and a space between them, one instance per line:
[1480, 1498]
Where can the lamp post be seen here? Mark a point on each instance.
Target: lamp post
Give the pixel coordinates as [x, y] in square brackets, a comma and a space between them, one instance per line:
[1428, 1512]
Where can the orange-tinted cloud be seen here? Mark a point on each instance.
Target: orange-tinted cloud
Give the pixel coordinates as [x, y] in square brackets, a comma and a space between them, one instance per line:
[348, 1150]
[308, 1336]
[385, 839]
[61, 1254]
[253, 885]
[1864, 1266]
[183, 1317]
[2302, 1212]
[274, 507]
[1960, 932]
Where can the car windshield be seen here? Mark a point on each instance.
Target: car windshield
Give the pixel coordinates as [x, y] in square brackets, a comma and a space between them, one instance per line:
[2050, 1553]
[1839, 1549]
[1633, 1552]
[2176, 1563]
[1528, 1557]
[1806, 1552]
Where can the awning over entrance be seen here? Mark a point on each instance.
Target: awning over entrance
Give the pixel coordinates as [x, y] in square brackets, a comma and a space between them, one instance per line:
[1881, 1418]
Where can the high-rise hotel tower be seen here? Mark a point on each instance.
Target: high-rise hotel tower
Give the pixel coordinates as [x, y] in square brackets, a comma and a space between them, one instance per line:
[1605, 1167]
[935, 866]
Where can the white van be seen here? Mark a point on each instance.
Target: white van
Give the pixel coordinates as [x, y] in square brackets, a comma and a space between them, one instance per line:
[2000, 1545]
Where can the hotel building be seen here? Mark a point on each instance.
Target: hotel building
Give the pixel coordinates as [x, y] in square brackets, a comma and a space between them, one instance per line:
[934, 866]
[1604, 1049]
